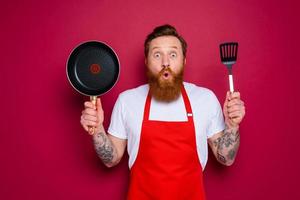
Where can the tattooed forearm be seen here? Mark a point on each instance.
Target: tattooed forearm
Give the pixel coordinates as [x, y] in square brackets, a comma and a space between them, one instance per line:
[105, 149]
[227, 146]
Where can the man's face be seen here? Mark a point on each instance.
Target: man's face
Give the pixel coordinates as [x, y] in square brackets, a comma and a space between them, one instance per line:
[165, 62]
[165, 51]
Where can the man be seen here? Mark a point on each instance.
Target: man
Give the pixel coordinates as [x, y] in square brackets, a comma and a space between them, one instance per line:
[166, 125]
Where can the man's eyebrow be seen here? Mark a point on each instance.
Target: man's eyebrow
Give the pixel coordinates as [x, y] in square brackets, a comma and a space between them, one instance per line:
[174, 47]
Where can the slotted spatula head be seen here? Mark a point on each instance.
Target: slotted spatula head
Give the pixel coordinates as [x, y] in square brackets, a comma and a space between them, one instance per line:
[228, 52]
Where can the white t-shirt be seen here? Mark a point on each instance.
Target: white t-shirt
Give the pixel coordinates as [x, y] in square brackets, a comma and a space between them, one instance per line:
[128, 113]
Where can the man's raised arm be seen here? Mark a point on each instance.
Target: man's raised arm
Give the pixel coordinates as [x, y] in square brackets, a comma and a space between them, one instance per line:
[110, 149]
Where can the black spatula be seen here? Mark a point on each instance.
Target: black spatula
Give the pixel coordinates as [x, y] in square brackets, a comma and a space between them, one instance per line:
[228, 52]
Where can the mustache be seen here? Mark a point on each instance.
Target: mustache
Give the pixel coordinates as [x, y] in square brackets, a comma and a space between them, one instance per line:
[164, 70]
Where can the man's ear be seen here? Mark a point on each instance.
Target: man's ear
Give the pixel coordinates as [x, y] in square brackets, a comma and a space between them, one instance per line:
[146, 61]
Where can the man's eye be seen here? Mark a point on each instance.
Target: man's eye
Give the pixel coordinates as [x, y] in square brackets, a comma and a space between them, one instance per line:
[173, 55]
[156, 55]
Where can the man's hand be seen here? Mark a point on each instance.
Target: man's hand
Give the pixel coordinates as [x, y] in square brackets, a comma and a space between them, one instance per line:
[92, 116]
[233, 109]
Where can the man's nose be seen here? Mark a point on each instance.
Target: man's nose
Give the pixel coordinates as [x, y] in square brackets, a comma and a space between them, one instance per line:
[165, 62]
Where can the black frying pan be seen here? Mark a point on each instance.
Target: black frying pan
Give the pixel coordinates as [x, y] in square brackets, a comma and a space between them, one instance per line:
[93, 68]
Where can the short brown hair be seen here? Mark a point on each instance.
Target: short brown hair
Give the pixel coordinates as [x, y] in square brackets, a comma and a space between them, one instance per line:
[164, 30]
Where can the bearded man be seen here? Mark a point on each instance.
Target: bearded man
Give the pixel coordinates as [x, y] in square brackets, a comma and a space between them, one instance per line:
[166, 125]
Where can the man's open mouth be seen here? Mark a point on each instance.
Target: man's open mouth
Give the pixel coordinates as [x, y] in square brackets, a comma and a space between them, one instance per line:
[166, 74]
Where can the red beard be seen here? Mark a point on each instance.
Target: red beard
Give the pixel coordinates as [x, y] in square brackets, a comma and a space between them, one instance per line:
[162, 89]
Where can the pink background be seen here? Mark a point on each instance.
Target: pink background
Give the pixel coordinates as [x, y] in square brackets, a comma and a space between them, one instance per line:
[45, 154]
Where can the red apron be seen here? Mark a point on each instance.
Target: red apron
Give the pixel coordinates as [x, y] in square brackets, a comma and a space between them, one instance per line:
[167, 165]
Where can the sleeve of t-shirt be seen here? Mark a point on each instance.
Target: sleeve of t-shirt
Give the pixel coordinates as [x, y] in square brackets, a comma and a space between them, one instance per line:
[216, 123]
[117, 125]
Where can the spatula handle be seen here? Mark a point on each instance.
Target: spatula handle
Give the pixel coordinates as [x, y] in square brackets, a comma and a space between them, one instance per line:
[231, 83]
[93, 99]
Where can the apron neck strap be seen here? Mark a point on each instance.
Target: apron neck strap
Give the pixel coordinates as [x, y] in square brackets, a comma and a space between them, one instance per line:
[186, 100]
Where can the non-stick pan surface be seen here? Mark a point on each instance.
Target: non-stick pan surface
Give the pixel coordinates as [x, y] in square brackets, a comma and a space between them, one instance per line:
[93, 68]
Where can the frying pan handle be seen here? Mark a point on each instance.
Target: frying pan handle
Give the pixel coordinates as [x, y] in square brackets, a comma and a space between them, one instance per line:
[93, 99]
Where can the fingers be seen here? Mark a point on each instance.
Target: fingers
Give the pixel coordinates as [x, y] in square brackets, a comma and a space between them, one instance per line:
[233, 98]
[88, 129]
[89, 114]
[234, 107]
[235, 95]
[235, 114]
[89, 104]
[86, 122]
[99, 104]
[228, 95]
[232, 95]
[92, 117]
[235, 102]
[89, 111]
